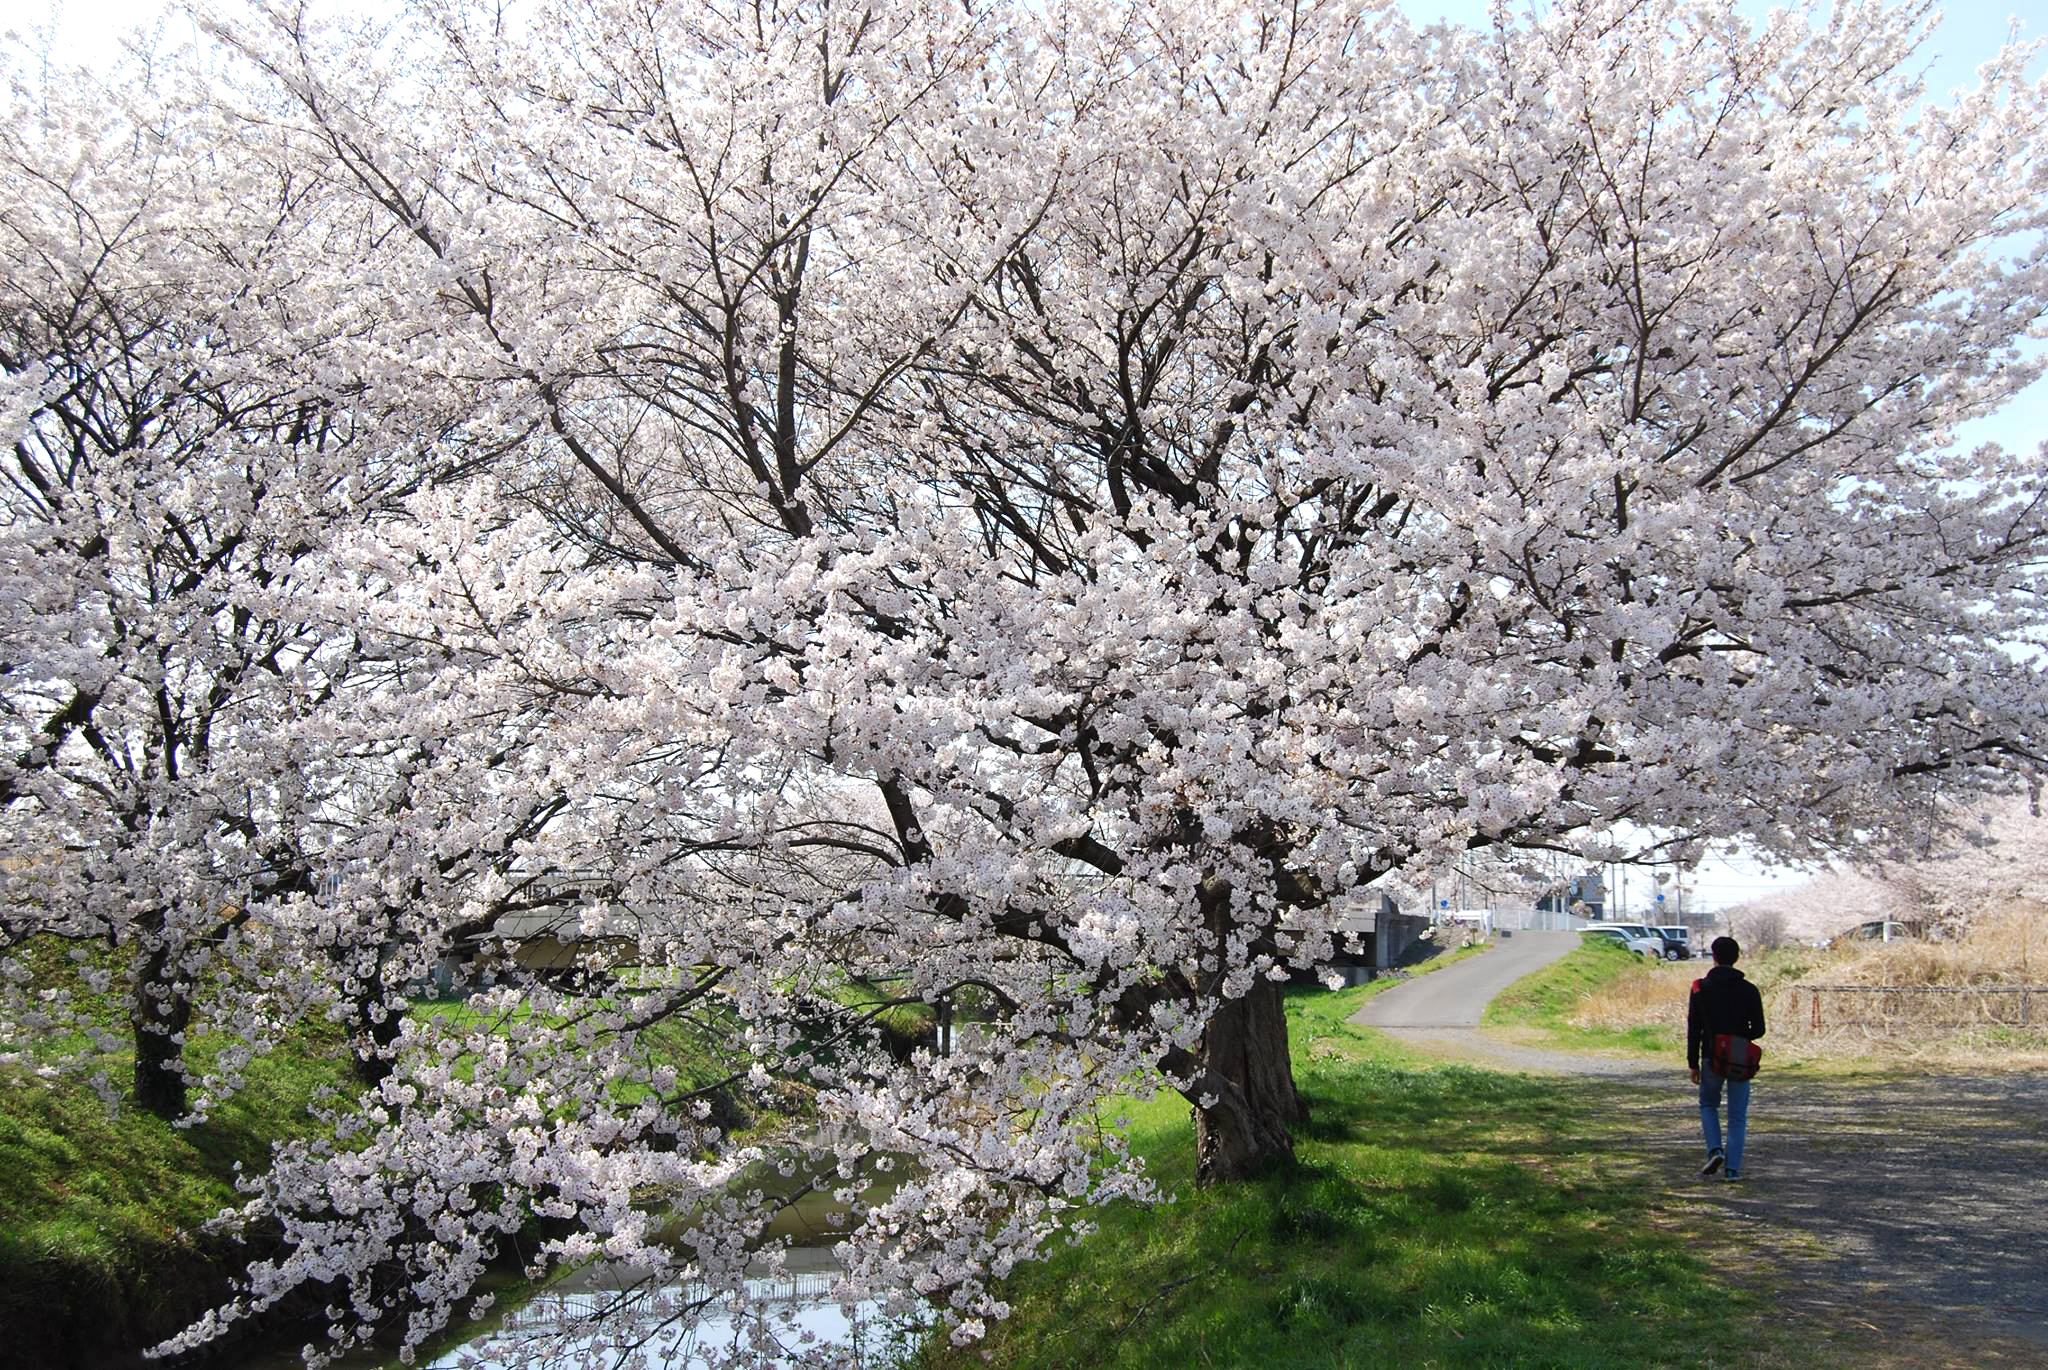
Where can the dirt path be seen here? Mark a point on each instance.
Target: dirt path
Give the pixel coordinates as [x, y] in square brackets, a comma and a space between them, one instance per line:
[1916, 1208]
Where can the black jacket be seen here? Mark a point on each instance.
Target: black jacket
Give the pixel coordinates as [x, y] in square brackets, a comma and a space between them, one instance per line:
[1722, 1001]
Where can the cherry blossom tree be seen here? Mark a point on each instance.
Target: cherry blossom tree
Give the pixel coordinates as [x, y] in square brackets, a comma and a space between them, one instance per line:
[1816, 910]
[1050, 502]
[158, 496]
[192, 748]
[1994, 861]
[1986, 858]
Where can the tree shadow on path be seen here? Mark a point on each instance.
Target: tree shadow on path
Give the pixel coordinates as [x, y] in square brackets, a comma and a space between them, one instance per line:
[1915, 1206]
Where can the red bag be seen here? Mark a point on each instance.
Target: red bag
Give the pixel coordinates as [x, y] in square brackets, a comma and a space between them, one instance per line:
[1734, 1058]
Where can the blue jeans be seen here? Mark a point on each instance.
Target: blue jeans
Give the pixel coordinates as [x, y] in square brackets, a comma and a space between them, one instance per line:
[1738, 1115]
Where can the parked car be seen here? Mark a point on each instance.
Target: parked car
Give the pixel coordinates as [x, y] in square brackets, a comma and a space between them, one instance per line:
[1633, 936]
[1881, 930]
[1651, 934]
[1678, 943]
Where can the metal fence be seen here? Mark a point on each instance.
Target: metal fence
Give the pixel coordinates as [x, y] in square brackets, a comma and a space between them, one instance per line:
[1888, 1006]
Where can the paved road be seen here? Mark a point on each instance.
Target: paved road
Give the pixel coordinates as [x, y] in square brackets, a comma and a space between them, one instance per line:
[1452, 997]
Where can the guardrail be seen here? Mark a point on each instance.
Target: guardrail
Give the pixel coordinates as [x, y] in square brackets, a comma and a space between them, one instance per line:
[1966, 1005]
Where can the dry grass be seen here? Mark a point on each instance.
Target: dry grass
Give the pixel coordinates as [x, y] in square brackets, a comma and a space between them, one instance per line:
[1652, 996]
[1965, 1030]
[2009, 947]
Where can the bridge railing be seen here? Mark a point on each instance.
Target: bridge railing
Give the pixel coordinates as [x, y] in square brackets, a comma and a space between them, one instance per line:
[1536, 920]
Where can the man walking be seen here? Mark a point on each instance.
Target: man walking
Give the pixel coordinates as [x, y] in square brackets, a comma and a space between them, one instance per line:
[1723, 1002]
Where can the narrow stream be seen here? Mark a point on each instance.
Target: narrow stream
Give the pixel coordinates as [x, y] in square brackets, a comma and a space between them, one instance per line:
[564, 1323]
[580, 1313]
[569, 1319]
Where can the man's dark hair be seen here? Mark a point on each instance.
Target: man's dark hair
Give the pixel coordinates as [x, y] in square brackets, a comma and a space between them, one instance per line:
[1725, 951]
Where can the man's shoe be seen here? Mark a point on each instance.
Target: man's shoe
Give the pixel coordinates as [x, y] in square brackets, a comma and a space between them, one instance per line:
[1734, 1176]
[1715, 1160]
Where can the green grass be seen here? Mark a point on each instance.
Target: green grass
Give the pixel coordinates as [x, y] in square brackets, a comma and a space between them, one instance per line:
[1545, 1000]
[66, 1160]
[97, 1244]
[1437, 1216]
[903, 1025]
[99, 1206]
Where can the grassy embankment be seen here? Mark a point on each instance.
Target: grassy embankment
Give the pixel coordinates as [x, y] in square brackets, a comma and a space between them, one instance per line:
[1547, 1005]
[99, 1209]
[1603, 998]
[1437, 1216]
[97, 1248]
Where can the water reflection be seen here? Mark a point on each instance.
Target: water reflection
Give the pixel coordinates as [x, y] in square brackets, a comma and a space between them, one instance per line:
[604, 1316]
[611, 1316]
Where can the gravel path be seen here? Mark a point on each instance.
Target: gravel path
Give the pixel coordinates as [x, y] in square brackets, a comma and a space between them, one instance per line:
[1500, 1051]
[1917, 1207]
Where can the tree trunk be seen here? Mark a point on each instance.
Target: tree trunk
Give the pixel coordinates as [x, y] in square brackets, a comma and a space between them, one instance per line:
[160, 1013]
[379, 1017]
[370, 1051]
[1243, 1090]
